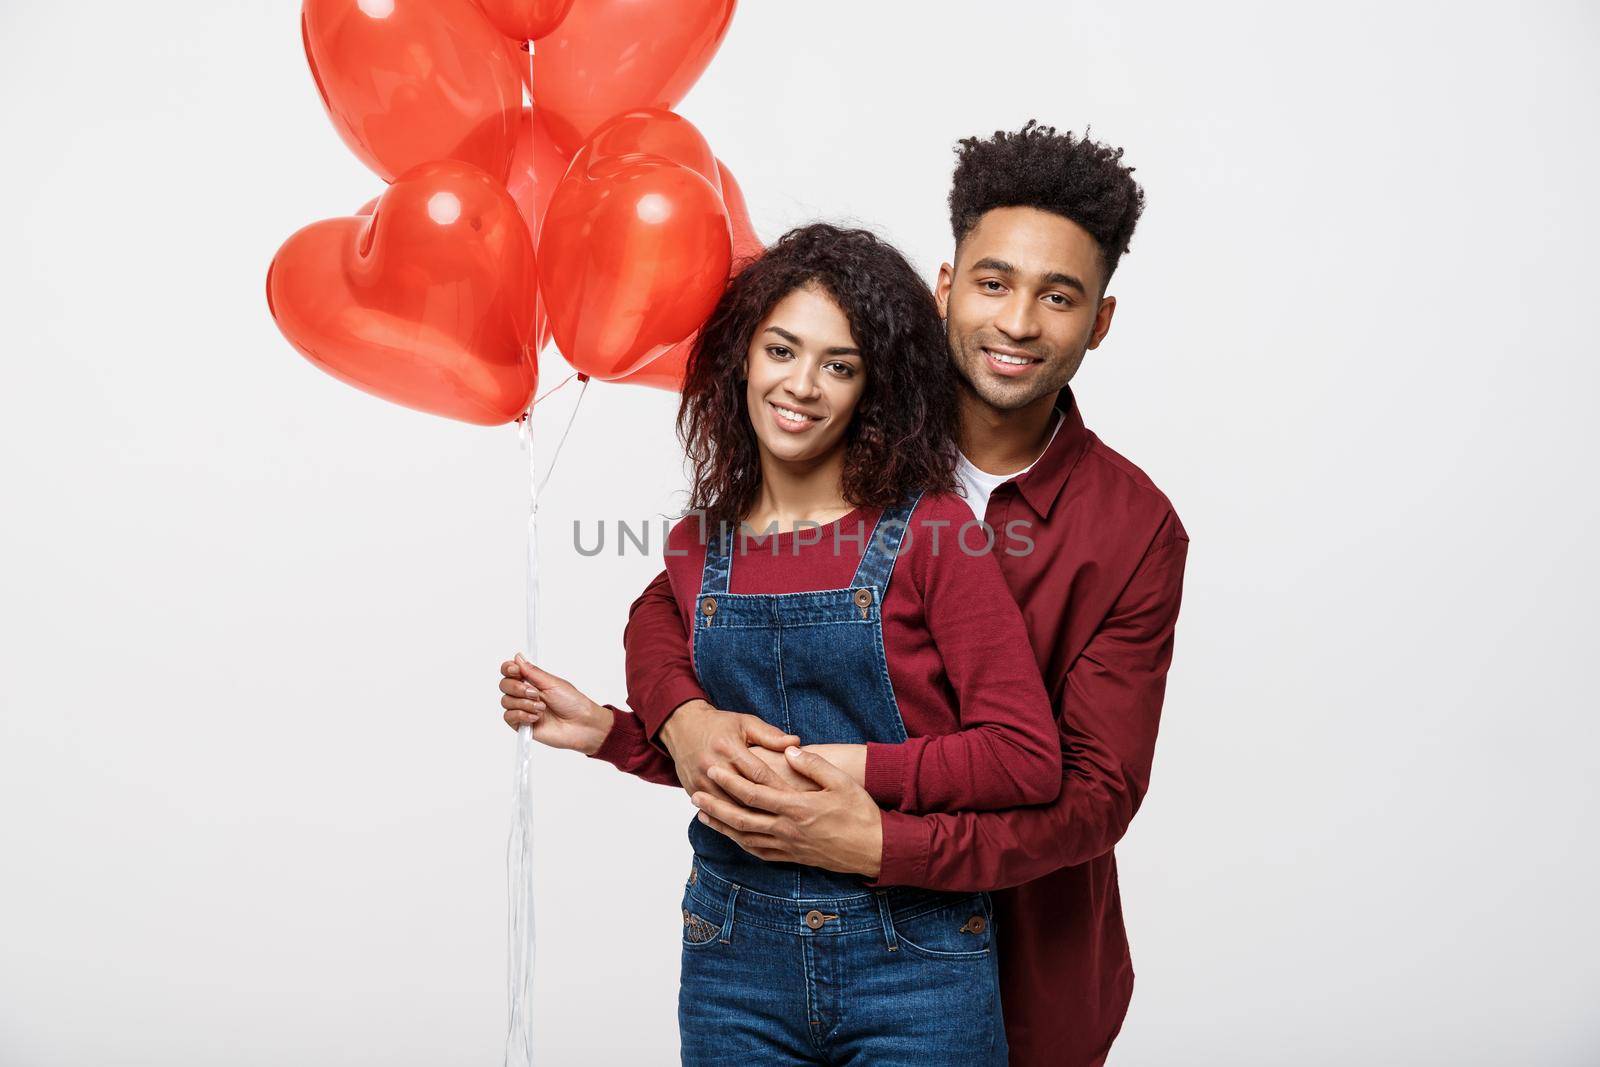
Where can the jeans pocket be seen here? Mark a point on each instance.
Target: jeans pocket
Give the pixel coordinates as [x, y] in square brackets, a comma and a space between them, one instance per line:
[959, 929]
[702, 924]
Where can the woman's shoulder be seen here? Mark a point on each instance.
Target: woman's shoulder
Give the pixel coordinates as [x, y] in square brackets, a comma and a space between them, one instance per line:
[941, 507]
[688, 532]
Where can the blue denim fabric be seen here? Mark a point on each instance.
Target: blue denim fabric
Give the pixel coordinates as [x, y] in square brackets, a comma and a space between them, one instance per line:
[893, 978]
[876, 976]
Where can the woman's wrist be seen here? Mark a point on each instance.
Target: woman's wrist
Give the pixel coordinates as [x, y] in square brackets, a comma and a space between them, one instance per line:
[599, 719]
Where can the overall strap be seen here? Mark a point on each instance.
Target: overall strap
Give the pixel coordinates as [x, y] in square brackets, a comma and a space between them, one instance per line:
[719, 558]
[883, 545]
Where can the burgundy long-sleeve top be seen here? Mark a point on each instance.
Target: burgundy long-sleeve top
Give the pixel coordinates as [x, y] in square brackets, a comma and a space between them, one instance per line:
[981, 732]
[1100, 595]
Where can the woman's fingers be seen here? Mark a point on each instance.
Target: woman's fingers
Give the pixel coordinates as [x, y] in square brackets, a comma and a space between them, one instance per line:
[511, 687]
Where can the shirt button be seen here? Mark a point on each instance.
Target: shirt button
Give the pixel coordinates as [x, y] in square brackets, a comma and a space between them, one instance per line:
[814, 919]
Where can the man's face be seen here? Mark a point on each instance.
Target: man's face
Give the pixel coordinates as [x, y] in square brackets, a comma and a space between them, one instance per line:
[1022, 305]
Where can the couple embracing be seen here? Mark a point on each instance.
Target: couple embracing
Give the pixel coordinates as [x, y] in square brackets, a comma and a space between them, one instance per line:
[909, 649]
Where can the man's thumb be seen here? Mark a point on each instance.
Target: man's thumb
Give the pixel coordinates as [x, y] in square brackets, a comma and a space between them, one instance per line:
[758, 731]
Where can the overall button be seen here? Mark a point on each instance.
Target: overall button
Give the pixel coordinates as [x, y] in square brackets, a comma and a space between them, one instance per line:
[708, 606]
[815, 918]
[863, 599]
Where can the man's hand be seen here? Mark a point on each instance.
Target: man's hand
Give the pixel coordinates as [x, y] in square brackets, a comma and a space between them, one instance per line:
[560, 716]
[837, 826]
[701, 737]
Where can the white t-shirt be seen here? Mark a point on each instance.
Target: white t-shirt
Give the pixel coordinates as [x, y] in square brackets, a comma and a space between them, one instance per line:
[979, 485]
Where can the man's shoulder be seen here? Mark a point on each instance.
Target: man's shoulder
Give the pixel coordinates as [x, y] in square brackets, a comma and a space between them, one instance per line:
[1116, 483]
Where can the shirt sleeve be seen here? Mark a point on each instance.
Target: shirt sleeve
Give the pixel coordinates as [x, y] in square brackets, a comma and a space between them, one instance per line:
[1112, 707]
[1008, 750]
[628, 750]
[659, 667]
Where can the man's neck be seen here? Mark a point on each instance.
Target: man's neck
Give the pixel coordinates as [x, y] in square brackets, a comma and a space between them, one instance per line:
[1004, 442]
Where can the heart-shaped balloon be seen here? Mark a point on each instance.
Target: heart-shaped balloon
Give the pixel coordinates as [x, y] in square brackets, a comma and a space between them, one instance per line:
[747, 245]
[525, 20]
[651, 133]
[667, 370]
[536, 168]
[409, 81]
[632, 258]
[611, 56]
[428, 302]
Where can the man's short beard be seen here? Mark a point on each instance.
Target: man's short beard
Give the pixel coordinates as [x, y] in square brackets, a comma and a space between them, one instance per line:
[1005, 399]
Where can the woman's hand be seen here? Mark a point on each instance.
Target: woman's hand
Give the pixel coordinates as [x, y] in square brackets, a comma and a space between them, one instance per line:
[560, 716]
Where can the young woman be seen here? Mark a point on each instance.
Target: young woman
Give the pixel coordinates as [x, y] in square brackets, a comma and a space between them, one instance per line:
[819, 412]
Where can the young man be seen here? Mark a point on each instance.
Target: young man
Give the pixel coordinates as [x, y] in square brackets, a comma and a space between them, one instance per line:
[1040, 220]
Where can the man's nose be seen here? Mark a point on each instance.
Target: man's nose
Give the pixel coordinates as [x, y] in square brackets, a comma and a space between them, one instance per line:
[1019, 318]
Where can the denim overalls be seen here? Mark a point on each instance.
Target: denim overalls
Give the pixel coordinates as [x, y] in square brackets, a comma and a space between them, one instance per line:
[786, 964]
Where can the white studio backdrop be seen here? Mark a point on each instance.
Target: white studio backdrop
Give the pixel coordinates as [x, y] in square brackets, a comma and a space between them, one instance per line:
[252, 775]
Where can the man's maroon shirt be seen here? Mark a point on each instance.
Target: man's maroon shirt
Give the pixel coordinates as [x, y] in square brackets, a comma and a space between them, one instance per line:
[1100, 593]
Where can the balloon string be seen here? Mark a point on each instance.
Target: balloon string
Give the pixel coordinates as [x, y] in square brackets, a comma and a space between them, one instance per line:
[556, 455]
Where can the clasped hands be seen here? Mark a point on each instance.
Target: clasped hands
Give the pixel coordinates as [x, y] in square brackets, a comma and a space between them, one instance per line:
[752, 782]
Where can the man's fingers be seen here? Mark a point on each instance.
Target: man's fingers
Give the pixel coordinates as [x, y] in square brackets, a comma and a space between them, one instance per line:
[769, 847]
[740, 818]
[758, 731]
[818, 769]
[751, 795]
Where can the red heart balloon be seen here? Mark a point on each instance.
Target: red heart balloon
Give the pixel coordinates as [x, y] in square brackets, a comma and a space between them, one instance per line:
[429, 302]
[536, 169]
[611, 56]
[525, 20]
[409, 81]
[747, 245]
[667, 370]
[632, 258]
[651, 132]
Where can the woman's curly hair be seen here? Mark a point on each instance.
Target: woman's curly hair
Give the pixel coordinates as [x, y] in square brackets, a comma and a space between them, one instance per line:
[901, 439]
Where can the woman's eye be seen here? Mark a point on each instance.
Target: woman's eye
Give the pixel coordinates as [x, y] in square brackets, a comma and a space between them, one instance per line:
[778, 351]
[844, 370]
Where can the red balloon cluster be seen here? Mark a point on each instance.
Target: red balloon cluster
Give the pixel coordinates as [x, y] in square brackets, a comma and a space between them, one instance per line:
[594, 214]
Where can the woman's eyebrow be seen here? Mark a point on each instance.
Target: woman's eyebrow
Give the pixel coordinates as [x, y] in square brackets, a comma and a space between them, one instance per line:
[837, 350]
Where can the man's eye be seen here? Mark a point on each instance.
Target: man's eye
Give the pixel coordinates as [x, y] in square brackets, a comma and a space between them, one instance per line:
[1059, 300]
[991, 285]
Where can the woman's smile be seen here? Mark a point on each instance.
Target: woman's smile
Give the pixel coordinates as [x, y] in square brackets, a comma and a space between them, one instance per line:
[792, 420]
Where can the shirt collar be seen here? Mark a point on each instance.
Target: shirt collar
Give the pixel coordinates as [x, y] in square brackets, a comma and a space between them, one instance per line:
[1042, 482]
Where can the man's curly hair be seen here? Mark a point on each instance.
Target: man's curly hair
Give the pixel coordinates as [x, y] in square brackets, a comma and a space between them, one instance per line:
[901, 436]
[1079, 179]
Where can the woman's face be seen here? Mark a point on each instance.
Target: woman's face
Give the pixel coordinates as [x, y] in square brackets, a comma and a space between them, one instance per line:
[805, 375]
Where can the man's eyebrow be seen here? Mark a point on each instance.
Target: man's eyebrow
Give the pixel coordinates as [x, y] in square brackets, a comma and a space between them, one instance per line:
[837, 350]
[1055, 277]
[1000, 266]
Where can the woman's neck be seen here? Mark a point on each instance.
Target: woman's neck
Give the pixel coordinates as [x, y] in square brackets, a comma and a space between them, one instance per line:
[795, 493]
